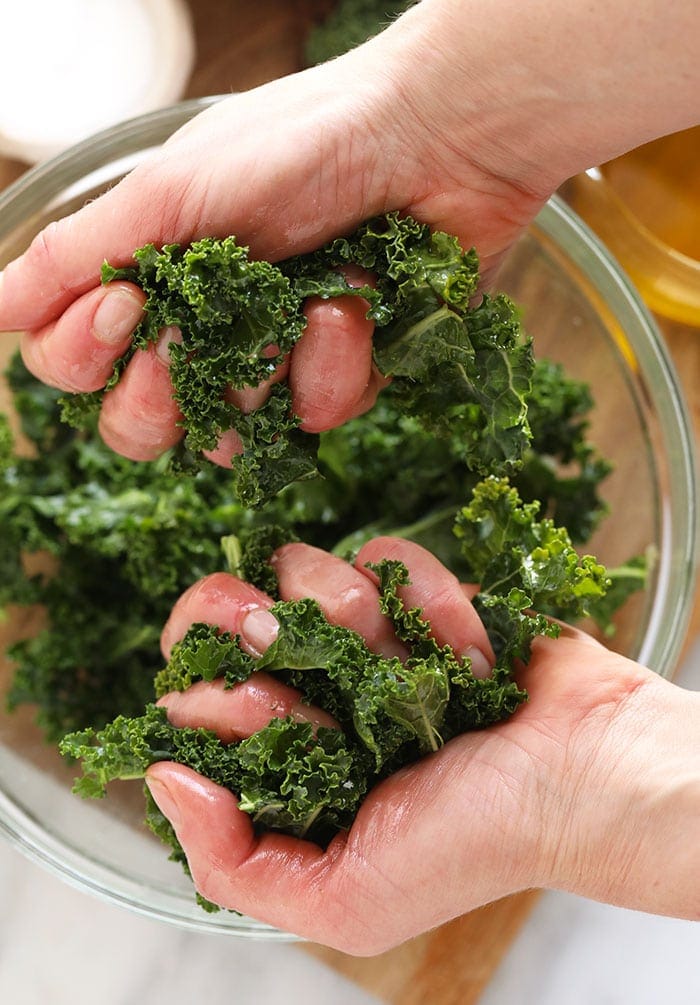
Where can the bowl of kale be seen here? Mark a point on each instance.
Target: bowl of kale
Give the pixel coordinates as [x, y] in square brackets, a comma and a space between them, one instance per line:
[534, 438]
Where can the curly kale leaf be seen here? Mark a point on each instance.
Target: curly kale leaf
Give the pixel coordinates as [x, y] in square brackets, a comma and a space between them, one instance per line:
[306, 784]
[238, 318]
[275, 451]
[124, 749]
[204, 654]
[462, 371]
[387, 703]
[287, 777]
[467, 379]
[415, 269]
[522, 564]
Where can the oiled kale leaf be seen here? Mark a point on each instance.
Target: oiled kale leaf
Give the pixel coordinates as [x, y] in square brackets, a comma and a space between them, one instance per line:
[463, 371]
[389, 711]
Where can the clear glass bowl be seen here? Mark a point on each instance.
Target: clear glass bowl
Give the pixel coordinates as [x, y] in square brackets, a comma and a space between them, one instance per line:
[581, 310]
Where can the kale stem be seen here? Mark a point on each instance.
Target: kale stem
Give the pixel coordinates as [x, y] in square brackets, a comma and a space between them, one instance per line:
[310, 820]
[424, 325]
[427, 522]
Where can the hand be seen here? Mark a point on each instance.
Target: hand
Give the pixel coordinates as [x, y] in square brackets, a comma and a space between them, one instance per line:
[283, 167]
[578, 790]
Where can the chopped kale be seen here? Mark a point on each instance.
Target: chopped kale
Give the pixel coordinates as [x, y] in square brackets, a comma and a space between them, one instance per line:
[474, 451]
[463, 371]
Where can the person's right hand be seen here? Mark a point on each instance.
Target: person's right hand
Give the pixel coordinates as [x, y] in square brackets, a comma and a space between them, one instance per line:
[591, 786]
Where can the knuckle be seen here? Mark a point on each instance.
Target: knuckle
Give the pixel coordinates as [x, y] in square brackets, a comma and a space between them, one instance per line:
[169, 200]
[45, 252]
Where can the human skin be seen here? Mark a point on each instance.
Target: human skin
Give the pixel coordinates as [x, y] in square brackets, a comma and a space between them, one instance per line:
[593, 786]
[466, 115]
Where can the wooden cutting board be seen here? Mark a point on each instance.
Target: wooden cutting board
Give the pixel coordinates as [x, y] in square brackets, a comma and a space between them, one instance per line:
[239, 46]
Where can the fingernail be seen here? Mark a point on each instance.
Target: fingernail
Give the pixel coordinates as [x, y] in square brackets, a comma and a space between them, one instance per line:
[116, 317]
[481, 667]
[249, 399]
[164, 800]
[165, 338]
[301, 712]
[259, 628]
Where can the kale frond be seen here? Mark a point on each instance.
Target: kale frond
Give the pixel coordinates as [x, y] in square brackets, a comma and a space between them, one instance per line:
[389, 711]
[462, 371]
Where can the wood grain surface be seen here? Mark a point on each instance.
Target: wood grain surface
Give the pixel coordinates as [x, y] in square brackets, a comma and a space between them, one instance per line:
[240, 45]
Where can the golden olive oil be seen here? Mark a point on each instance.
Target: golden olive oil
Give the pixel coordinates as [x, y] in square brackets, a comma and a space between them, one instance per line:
[660, 184]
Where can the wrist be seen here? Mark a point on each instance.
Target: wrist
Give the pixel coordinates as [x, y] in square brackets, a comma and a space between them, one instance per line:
[630, 833]
[540, 91]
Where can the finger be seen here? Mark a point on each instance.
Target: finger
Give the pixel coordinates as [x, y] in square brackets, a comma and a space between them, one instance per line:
[332, 375]
[235, 713]
[275, 878]
[228, 447]
[140, 418]
[247, 399]
[325, 896]
[346, 596]
[228, 603]
[77, 352]
[440, 596]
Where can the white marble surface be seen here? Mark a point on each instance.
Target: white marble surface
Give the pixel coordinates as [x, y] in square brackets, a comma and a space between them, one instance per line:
[60, 946]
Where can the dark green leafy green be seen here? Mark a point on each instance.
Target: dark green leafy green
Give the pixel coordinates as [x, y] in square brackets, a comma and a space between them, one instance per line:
[463, 371]
[526, 568]
[286, 777]
[125, 539]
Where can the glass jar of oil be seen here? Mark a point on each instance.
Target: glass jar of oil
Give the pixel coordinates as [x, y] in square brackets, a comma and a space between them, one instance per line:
[645, 206]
